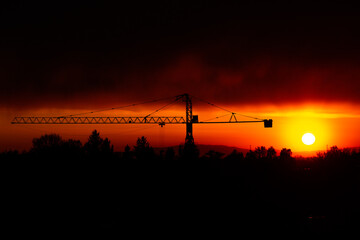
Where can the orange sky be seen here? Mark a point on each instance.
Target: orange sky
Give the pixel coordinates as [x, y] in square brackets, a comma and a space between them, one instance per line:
[294, 63]
[332, 124]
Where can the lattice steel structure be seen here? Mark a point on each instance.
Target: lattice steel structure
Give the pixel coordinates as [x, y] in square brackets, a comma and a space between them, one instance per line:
[98, 120]
[189, 120]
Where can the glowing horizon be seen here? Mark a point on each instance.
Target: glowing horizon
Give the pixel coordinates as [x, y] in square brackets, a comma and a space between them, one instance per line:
[331, 127]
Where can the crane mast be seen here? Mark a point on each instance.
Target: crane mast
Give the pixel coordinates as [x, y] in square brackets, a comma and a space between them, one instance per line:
[189, 120]
[189, 139]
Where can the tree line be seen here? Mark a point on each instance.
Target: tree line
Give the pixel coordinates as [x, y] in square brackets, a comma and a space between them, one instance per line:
[96, 147]
[100, 187]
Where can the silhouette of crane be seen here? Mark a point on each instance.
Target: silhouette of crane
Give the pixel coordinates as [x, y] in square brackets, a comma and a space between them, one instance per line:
[189, 119]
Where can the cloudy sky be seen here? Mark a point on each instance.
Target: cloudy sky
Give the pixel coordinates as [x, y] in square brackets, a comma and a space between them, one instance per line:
[77, 56]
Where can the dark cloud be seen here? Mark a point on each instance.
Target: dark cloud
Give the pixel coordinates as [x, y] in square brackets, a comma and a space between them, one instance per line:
[87, 54]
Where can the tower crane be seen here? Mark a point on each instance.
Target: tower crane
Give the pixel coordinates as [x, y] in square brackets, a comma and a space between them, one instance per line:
[189, 119]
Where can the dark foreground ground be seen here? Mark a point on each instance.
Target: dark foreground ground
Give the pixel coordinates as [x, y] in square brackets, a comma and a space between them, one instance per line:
[178, 198]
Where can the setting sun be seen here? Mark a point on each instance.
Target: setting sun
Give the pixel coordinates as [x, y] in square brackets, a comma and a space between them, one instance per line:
[308, 138]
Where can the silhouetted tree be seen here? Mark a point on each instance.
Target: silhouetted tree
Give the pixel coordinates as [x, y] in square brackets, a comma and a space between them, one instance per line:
[142, 143]
[250, 155]
[337, 158]
[96, 145]
[46, 142]
[52, 145]
[94, 142]
[320, 155]
[142, 149]
[106, 146]
[260, 152]
[333, 153]
[285, 153]
[286, 160]
[271, 153]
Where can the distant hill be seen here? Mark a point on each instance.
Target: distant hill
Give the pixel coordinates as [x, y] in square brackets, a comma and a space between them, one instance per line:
[220, 148]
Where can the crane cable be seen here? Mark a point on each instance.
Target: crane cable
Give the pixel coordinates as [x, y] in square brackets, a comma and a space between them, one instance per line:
[109, 109]
[162, 108]
[233, 113]
[162, 99]
[217, 117]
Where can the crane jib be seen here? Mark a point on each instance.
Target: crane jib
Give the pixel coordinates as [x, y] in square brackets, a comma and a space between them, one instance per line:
[189, 120]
